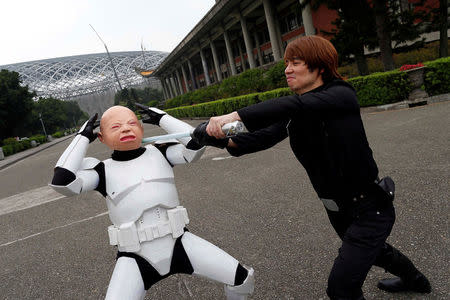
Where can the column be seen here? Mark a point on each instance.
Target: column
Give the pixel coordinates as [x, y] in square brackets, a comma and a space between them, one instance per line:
[169, 88]
[247, 41]
[272, 30]
[258, 49]
[229, 52]
[279, 37]
[173, 86]
[180, 86]
[205, 67]
[216, 61]
[244, 67]
[307, 19]
[164, 88]
[173, 78]
[191, 71]
[183, 71]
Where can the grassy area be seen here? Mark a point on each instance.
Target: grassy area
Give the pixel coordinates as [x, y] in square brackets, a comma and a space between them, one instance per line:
[427, 53]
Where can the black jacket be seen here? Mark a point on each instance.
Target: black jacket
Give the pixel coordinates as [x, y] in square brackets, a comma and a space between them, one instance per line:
[326, 135]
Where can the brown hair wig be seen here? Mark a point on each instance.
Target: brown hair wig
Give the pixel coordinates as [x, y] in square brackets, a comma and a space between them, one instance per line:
[317, 53]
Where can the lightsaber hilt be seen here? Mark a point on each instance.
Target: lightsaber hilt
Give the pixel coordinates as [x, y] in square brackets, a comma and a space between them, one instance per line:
[233, 128]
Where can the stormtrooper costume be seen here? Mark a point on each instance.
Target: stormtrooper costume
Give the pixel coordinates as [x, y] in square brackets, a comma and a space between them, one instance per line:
[148, 221]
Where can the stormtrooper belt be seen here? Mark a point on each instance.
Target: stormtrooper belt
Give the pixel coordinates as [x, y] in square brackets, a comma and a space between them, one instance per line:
[128, 236]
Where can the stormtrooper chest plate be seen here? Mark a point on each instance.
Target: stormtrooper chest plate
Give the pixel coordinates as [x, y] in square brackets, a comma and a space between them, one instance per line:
[139, 184]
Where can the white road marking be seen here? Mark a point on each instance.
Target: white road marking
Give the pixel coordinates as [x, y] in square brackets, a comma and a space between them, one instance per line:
[221, 157]
[52, 229]
[28, 199]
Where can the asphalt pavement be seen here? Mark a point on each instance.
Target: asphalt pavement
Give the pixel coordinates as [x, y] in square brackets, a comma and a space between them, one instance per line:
[260, 208]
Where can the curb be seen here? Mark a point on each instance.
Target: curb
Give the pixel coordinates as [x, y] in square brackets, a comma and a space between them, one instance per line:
[9, 160]
[407, 104]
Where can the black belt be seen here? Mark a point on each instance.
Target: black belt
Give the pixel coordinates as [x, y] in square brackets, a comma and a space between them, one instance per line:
[384, 188]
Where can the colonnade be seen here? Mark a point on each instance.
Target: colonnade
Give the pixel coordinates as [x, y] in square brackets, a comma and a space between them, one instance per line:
[172, 82]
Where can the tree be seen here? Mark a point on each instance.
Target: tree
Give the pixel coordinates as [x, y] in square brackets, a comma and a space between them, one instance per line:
[52, 112]
[384, 38]
[73, 114]
[394, 22]
[56, 114]
[143, 96]
[398, 23]
[443, 26]
[440, 22]
[16, 103]
[353, 34]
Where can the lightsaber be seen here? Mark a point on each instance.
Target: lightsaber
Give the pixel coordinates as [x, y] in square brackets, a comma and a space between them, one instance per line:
[229, 129]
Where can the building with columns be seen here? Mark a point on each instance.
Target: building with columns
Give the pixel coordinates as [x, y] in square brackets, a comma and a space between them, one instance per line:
[235, 36]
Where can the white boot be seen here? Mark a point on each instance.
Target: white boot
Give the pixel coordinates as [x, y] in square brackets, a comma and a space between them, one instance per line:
[241, 292]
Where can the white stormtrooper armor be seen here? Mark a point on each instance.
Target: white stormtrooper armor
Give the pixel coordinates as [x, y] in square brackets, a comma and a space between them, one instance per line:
[146, 215]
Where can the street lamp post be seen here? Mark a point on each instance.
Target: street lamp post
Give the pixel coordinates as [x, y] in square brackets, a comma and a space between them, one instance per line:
[43, 127]
[109, 56]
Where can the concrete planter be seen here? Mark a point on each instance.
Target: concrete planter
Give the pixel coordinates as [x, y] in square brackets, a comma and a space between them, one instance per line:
[416, 77]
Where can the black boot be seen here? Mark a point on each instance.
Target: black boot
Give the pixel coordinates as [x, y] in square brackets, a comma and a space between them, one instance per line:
[409, 278]
[394, 285]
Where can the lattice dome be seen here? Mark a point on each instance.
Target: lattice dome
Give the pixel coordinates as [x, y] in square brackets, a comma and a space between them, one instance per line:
[73, 76]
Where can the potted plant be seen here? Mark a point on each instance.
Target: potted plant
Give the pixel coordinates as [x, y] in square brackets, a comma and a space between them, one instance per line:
[415, 75]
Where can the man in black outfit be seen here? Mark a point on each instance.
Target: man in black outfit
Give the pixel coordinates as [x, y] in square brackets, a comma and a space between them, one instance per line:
[327, 136]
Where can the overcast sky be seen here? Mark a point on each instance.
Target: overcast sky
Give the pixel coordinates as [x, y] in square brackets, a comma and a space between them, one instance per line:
[40, 29]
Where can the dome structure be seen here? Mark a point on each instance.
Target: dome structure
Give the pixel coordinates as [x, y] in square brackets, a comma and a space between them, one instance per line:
[70, 77]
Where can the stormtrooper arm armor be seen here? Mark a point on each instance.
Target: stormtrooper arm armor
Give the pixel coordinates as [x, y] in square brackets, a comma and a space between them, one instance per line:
[74, 173]
[173, 125]
[186, 152]
[179, 154]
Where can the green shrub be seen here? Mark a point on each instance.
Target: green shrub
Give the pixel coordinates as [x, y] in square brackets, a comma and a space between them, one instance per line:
[437, 76]
[26, 144]
[208, 93]
[9, 141]
[348, 71]
[381, 88]
[38, 138]
[205, 94]
[275, 77]
[250, 81]
[152, 103]
[427, 53]
[17, 147]
[247, 82]
[275, 94]
[214, 108]
[375, 89]
[8, 150]
[58, 134]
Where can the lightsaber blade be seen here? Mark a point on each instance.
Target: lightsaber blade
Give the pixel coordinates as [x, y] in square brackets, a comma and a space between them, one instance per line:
[229, 129]
[166, 137]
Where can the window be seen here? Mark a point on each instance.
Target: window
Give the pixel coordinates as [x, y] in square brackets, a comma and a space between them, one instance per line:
[268, 57]
[263, 36]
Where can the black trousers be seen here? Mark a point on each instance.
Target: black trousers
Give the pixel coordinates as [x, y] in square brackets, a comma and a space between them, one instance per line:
[363, 226]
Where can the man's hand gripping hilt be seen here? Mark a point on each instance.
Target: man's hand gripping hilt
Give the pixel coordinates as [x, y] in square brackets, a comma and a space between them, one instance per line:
[230, 129]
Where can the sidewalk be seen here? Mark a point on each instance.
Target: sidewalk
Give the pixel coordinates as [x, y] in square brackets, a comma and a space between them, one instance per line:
[11, 159]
